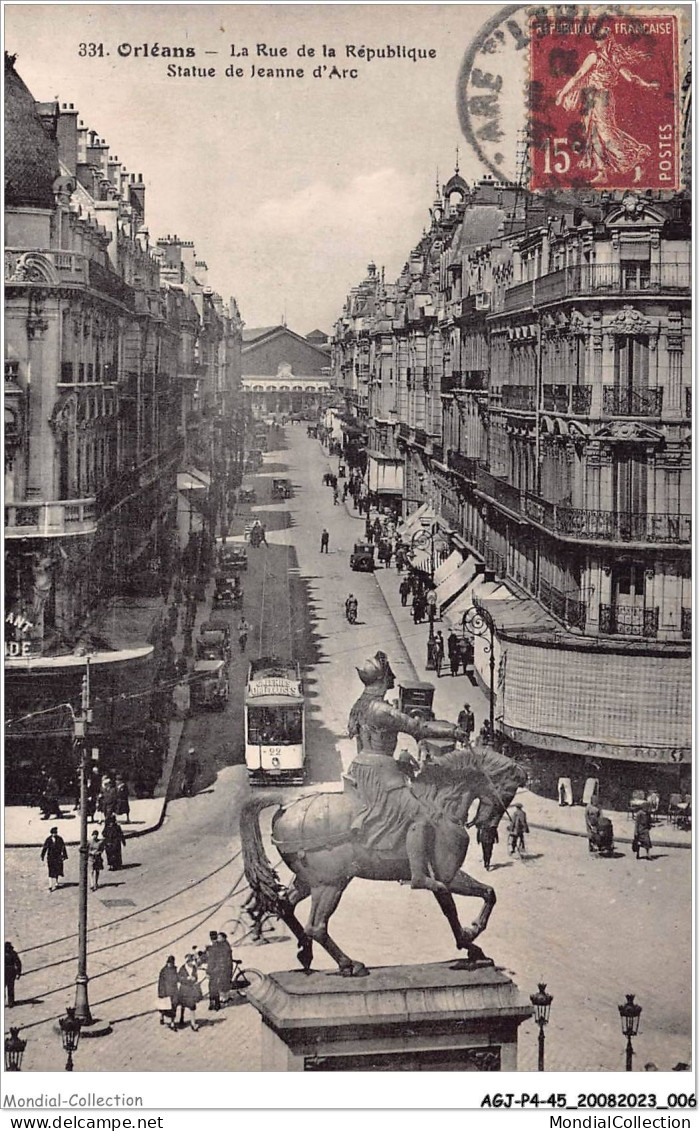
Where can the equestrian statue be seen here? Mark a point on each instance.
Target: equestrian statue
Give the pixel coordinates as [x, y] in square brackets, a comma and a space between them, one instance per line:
[384, 826]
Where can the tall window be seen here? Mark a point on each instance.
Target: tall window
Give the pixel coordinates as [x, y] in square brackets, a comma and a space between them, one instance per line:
[635, 266]
[630, 493]
[632, 362]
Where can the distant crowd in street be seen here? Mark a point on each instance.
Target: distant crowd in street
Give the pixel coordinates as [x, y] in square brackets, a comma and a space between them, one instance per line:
[207, 972]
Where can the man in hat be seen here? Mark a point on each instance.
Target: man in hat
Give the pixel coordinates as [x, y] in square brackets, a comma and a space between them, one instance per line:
[54, 850]
[391, 818]
[518, 828]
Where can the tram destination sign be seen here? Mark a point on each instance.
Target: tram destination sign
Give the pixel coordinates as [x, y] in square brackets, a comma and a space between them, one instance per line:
[274, 685]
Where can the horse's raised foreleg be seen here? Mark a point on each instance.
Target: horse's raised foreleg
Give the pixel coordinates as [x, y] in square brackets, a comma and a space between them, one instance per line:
[298, 890]
[324, 900]
[463, 884]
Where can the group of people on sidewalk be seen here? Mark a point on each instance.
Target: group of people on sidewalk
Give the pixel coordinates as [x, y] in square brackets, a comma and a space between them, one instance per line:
[109, 842]
[183, 988]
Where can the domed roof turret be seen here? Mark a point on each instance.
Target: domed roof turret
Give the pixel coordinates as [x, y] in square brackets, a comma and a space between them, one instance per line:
[31, 156]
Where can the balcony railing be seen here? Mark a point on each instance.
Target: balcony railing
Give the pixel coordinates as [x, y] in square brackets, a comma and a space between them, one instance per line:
[611, 526]
[464, 465]
[420, 437]
[568, 609]
[599, 278]
[619, 401]
[519, 397]
[573, 399]
[495, 561]
[499, 490]
[686, 623]
[41, 520]
[628, 620]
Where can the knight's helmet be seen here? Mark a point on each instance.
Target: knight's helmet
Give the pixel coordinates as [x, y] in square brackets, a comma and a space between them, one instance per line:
[376, 669]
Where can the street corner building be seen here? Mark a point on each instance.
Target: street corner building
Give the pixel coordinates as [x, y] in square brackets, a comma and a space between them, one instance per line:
[522, 392]
[123, 437]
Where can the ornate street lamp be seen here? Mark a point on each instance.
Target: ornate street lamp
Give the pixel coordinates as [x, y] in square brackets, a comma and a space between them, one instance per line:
[14, 1051]
[630, 1013]
[541, 1002]
[70, 1027]
[480, 623]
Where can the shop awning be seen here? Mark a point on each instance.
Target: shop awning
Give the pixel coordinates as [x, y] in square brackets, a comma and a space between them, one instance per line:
[412, 521]
[457, 581]
[512, 614]
[193, 480]
[477, 586]
[447, 567]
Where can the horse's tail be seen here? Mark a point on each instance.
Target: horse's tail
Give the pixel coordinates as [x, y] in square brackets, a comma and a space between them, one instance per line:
[265, 884]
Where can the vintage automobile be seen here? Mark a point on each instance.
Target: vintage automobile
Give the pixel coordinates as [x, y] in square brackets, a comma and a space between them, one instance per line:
[228, 593]
[416, 698]
[247, 495]
[254, 460]
[281, 489]
[232, 558]
[362, 557]
[209, 685]
[213, 643]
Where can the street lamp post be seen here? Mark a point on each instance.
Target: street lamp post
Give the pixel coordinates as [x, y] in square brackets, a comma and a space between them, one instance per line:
[82, 723]
[541, 1002]
[70, 1027]
[630, 1012]
[480, 623]
[14, 1051]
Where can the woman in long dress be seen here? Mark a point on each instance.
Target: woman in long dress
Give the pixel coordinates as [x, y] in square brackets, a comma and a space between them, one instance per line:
[114, 840]
[608, 150]
[189, 990]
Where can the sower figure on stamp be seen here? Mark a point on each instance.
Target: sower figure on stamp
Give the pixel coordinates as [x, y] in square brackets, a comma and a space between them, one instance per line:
[391, 816]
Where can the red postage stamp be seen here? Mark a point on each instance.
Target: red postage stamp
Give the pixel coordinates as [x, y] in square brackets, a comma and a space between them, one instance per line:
[604, 101]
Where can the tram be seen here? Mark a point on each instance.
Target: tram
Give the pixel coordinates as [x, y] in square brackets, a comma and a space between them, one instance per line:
[274, 722]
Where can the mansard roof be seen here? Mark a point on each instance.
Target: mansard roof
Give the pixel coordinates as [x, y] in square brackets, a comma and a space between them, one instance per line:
[31, 155]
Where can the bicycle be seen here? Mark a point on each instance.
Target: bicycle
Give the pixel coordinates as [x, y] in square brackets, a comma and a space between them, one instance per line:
[244, 977]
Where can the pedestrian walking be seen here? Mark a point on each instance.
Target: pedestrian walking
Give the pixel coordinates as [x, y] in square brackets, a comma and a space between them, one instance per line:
[517, 829]
[345, 491]
[13, 971]
[189, 773]
[438, 653]
[325, 538]
[95, 850]
[487, 836]
[168, 993]
[226, 964]
[642, 830]
[466, 654]
[123, 809]
[215, 969]
[243, 630]
[465, 720]
[189, 990]
[114, 841]
[404, 590]
[592, 816]
[50, 804]
[408, 764]
[54, 851]
[336, 499]
[107, 800]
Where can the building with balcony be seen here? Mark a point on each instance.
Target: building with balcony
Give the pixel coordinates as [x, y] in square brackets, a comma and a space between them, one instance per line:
[558, 339]
[99, 330]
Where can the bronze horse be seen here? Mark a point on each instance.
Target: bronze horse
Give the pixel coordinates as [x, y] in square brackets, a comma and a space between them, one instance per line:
[314, 838]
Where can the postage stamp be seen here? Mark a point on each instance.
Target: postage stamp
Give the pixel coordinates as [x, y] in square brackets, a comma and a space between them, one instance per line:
[604, 101]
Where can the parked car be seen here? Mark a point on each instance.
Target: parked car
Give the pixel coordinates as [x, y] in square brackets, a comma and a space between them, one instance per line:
[362, 557]
[281, 489]
[232, 558]
[228, 593]
[254, 460]
[247, 495]
[213, 643]
[209, 685]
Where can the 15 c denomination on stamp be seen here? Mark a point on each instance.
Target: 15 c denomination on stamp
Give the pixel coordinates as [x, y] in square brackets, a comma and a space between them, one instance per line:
[604, 100]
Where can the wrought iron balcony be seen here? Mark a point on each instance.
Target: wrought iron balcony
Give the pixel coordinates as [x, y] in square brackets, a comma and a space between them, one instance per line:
[43, 520]
[568, 609]
[619, 401]
[599, 279]
[687, 624]
[628, 620]
[568, 399]
[519, 397]
[499, 490]
[611, 526]
[463, 465]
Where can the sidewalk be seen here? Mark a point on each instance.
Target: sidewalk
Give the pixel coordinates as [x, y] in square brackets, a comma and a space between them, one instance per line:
[452, 692]
[24, 827]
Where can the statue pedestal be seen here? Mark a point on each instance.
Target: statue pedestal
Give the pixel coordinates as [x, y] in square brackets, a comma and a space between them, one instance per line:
[400, 1018]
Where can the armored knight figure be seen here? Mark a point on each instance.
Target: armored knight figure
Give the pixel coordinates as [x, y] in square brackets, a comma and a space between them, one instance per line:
[392, 817]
